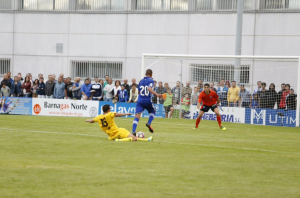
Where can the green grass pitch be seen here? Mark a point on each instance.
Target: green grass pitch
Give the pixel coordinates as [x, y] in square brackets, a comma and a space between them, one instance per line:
[66, 157]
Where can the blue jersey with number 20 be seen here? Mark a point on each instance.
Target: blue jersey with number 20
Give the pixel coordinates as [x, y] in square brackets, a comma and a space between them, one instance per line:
[145, 97]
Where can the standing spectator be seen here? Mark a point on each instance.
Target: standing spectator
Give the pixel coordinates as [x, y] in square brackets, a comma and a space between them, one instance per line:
[26, 86]
[200, 82]
[6, 81]
[218, 85]
[281, 98]
[76, 89]
[154, 98]
[185, 106]
[9, 77]
[86, 90]
[49, 89]
[61, 75]
[160, 90]
[20, 77]
[102, 84]
[59, 89]
[40, 76]
[176, 92]
[133, 81]
[254, 103]
[69, 89]
[109, 91]
[54, 78]
[127, 87]
[187, 89]
[211, 85]
[272, 96]
[195, 96]
[49, 77]
[5, 90]
[291, 100]
[166, 86]
[259, 87]
[227, 84]
[123, 94]
[200, 87]
[65, 80]
[168, 104]
[222, 93]
[263, 96]
[233, 95]
[97, 90]
[245, 97]
[106, 82]
[16, 88]
[133, 94]
[30, 76]
[116, 89]
[34, 88]
[41, 89]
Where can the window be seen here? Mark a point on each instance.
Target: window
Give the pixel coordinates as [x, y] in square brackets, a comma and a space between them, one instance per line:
[5, 4]
[215, 72]
[279, 4]
[92, 69]
[100, 5]
[4, 66]
[232, 4]
[204, 5]
[162, 4]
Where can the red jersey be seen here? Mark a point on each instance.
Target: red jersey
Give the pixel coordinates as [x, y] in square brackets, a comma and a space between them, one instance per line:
[208, 99]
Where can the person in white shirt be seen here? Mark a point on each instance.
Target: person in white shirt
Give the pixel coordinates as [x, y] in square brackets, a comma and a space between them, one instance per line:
[108, 89]
[134, 94]
[259, 87]
[116, 89]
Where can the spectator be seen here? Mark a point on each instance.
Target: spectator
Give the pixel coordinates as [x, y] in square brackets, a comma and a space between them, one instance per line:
[65, 80]
[75, 88]
[61, 75]
[69, 89]
[90, 81]
[291, 100]
[16, 88]
[187, 89]
[133, 97]
[34, 88]
[5, 90]
[254, 103]
[200, 82]
[116, 89]
[40, 76]
[176, 93]
[123, 94]
[54, 78]
[102, 84]
[41, 89]
[211, 85]
[218, 85]
[26, 87]
[49, 88]
[86, 90]
[97, 90]
[185, 106]
[166, 86]
[59, 89]
[245, 97]
[154, 98]
[168, 104]
[127, 87]
[272, 96]
[281, 97]
[233, 95]
[49, 77]
[200, 87]
[227, 84]
[259, 87]
[6, 81]
[160, 90]
[30, 77]
[109, 91]
[263, 96]
[222, 92]
[133, 81]
[195, 96]
[106, 82]
[20, 77]
[9, 77]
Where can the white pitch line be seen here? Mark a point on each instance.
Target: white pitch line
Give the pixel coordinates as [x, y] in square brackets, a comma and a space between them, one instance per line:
[204, 145]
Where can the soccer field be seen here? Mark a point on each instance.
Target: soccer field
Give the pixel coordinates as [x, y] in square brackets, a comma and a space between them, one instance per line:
[66, 157]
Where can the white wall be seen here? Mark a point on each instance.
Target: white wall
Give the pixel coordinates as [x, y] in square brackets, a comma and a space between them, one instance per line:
[30, 38]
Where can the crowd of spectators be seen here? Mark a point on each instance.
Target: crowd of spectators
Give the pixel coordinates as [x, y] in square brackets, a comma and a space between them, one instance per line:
[230, 94]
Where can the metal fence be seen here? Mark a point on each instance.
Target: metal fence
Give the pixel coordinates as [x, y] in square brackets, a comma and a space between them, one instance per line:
[92, 69]
[147, 5]
[4, 66]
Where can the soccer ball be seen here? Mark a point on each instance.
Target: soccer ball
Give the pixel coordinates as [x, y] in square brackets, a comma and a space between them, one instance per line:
[140, 134]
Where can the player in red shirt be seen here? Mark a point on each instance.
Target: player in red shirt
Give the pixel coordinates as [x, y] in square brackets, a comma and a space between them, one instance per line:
[210, 100]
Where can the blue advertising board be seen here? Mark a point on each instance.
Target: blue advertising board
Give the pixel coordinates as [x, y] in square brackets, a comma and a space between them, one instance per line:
[16, 106]
[160, 111]
[124, 107]
[102, 103]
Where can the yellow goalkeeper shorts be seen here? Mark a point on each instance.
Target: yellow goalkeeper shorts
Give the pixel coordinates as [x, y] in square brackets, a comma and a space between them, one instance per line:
[122, 133]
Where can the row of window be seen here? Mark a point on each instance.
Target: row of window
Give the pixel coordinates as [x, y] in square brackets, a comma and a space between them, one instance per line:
[156, 5]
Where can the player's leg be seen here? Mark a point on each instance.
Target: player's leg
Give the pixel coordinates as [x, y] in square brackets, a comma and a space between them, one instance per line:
[199, 118]
[151, 110]
[217, 112]
[124, 136]
[172, 110]
[166, 112]
[135, 123]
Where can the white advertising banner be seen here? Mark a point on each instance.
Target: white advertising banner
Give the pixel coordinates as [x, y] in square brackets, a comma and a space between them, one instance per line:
[54, 107]
[229, 114]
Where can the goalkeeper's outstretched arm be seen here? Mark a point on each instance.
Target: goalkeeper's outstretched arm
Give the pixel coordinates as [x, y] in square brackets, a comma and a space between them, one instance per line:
[122, 114]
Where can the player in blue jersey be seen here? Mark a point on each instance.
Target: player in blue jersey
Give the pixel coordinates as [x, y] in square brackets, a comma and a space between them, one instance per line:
[145, 101]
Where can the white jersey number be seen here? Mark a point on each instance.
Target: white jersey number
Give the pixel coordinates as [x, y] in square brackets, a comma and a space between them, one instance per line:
[144, 91]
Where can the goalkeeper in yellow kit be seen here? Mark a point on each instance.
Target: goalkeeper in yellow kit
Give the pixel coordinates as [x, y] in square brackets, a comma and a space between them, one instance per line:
[107, 124]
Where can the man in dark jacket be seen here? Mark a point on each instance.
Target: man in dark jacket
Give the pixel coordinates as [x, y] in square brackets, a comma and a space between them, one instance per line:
[127, 87]
[41, 88]
[49, 87]
[291, 100]
[6, 81]
[16, 88]
[272, 96]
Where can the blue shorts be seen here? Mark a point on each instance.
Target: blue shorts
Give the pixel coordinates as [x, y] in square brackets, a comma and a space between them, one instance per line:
[140, 107]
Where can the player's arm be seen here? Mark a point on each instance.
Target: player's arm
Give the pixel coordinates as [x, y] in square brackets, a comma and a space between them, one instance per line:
[154, 93]
[199, 101]
[122, 114]
[218, 101]
[90, 120]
